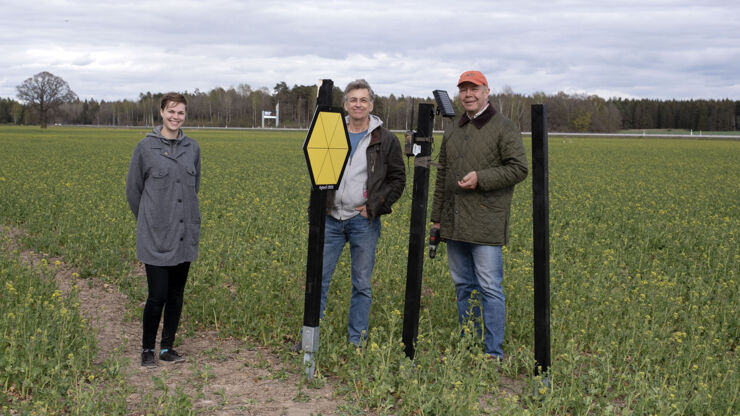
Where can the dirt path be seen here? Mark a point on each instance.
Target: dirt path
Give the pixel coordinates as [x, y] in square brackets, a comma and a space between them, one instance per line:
[221, 376]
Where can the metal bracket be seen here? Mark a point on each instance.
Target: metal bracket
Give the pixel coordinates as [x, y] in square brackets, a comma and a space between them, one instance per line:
[423, 161]
[310, 341]
[310, 345]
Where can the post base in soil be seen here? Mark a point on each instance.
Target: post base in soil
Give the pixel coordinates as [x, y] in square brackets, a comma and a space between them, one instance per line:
[309, 364]
[310, 345]
[545, 382]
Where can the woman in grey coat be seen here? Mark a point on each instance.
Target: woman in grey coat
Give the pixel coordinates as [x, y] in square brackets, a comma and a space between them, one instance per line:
[162, 190]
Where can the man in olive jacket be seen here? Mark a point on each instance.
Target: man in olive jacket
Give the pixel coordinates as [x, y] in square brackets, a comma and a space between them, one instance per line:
[373, 180]
[481, 159]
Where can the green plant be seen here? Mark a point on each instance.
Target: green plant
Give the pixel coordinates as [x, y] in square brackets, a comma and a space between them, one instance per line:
[643, 270]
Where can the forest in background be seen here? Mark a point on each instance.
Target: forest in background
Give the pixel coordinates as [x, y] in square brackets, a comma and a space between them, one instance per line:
[242, 106]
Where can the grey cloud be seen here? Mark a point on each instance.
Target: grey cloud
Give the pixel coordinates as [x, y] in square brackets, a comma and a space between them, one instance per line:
[655, 48]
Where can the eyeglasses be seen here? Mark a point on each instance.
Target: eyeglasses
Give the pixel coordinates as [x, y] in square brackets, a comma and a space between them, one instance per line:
[355, 100]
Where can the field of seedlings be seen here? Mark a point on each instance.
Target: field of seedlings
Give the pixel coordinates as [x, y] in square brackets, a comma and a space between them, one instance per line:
[644, 277]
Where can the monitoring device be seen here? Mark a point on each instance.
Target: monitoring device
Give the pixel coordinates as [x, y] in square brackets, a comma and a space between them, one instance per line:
[444, 105]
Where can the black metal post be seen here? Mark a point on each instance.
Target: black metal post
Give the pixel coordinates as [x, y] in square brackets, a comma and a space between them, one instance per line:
[315, 260]
[417, 233]
[314, 263]
[541, 238]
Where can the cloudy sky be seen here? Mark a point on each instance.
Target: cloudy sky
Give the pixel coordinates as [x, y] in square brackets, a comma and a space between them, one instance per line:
[629, 48]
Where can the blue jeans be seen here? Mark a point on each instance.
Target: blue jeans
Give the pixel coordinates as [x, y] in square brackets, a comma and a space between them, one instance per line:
[480, 268]
[362, 236]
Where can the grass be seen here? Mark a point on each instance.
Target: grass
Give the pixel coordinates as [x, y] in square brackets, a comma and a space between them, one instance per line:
[47, 348]
[644, 270]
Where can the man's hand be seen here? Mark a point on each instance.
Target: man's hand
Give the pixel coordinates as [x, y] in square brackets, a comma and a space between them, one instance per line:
[469, 181]
[363, 210]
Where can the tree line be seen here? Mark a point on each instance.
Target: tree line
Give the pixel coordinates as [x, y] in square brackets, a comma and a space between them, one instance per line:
[242, 106]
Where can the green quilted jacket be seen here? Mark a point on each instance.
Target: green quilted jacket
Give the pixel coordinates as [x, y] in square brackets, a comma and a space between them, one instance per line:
[490, 145]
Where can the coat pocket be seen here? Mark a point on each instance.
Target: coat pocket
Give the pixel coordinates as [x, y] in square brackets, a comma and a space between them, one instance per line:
[194, 233]
[159, 179]
[163, 240]
[190, 177]
[158, 217]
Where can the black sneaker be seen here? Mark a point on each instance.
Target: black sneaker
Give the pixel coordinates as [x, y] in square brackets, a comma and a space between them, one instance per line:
[168, 354]
[147, 359]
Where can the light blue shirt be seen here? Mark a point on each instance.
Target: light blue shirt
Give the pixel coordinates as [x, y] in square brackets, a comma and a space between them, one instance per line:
[354, 139]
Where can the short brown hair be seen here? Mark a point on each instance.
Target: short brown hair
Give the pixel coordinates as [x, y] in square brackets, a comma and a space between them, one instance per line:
[174, 97]
[359, 84]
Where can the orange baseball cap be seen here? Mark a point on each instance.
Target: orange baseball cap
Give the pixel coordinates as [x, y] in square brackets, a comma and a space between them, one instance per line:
[476, 77]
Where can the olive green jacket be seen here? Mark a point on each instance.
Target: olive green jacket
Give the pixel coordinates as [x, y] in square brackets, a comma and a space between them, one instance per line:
[491, 145]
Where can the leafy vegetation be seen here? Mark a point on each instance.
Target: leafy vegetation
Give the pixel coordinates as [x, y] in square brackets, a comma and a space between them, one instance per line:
[644, 270]
[46, 347]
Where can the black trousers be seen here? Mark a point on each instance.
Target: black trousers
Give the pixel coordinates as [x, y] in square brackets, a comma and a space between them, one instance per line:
[166, 287]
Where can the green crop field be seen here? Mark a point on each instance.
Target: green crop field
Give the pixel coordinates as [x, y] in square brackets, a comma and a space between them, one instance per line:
[644, 273]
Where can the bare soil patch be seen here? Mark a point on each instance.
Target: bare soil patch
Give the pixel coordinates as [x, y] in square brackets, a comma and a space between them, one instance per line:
[222, 376]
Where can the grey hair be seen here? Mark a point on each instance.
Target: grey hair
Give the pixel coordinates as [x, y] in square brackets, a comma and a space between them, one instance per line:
[357, 85]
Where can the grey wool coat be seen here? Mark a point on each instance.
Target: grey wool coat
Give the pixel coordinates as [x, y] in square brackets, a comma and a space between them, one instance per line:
[162, 190]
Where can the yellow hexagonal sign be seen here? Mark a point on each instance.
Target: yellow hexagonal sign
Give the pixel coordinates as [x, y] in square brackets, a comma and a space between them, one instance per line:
[326, 148]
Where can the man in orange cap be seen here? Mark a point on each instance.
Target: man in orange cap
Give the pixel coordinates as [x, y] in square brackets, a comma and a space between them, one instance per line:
[481, 159]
